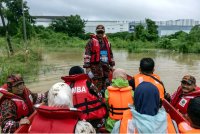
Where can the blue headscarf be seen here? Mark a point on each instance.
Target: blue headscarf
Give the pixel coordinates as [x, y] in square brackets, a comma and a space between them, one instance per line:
[147, 99]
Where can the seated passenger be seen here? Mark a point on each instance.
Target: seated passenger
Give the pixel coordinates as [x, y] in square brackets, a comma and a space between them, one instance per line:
[194, 117]
[145, 116]
[184, 92]
[118, 96]
[16, 104]
[146, 73]
[86, 97]
[59, 116]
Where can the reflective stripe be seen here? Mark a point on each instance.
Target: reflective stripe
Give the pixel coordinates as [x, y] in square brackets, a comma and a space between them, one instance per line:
[141, 79]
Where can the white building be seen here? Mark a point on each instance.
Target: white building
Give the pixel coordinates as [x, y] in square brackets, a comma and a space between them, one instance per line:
[170, 26]
[110, 26]
[164, 27]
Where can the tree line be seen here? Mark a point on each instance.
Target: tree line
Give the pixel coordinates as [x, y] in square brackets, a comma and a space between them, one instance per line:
[73, 26]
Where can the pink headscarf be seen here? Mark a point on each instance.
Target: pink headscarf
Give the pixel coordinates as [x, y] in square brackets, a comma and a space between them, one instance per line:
[119, 73]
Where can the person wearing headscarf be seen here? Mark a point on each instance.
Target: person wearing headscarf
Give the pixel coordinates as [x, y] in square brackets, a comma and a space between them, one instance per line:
[59, 115]
[145, 116]
[118, 96]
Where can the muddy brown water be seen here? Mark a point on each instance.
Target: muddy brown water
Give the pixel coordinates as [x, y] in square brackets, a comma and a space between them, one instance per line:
[170, 66]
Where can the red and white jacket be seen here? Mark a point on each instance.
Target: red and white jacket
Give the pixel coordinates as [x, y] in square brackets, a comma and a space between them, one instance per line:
[54, 120]
[24, 106]
[92, 106]
[180, 101]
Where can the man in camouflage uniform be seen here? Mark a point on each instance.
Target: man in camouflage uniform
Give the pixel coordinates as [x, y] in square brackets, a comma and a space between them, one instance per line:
[98, 59]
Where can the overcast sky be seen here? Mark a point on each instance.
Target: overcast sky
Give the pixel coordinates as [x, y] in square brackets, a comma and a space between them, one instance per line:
[118, 9]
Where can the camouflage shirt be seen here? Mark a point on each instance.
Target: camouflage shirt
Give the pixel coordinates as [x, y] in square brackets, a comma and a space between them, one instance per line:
[9, 112]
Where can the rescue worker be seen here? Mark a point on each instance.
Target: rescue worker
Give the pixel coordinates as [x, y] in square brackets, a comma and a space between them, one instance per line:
[145, 116]
[98, 59]
[16, 104]
[118, 96]
[186, 91]
[146, 73]
[59, 116]
[86, 97]
[193, 112]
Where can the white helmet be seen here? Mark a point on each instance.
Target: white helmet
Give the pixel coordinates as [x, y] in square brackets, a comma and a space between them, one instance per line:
[60, 95]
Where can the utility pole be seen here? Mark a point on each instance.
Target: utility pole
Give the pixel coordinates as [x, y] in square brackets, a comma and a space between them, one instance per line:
[9, 47]
[24, 26]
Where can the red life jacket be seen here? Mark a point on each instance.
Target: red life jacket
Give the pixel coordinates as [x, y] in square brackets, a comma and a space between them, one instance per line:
[181, 101]
[95, 56]
[23, 108]
[54, 120]
[91, 105]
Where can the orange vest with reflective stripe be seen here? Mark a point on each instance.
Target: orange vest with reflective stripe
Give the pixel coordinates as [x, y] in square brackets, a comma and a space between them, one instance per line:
[118, 101]
[139, 78]
[127, 116]
[186, 128]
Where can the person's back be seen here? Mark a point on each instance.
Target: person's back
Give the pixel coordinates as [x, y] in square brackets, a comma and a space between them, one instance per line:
[118, 97]
[86, 97]
[193, 112]
[147, 74]
[145, 116]
[59, 116]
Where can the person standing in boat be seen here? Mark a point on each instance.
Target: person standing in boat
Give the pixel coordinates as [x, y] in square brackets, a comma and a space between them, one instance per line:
[186, 91]
[146, 73]
[118, 96]
[86, 97]
[98, 58]
[59, 115]
[145, 116]
[16, 104]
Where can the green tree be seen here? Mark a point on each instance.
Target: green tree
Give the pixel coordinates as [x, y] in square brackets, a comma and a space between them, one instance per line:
[72, 25]
[13, 14]
[194, 35]
[120, 35]
[140, 32]
[178, 35]
[152, 32]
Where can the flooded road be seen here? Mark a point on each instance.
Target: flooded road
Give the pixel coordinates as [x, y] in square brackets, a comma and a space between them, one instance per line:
[170, 66]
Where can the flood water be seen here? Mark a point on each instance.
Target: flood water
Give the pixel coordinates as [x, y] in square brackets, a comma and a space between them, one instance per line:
[170, 66]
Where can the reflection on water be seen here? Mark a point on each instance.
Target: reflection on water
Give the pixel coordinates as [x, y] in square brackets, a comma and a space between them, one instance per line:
[169, 65]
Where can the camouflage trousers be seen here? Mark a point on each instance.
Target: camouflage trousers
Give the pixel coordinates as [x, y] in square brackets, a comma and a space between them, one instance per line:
[101, 73]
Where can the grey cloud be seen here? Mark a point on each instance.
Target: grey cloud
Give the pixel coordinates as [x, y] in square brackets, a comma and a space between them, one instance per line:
[118, 9]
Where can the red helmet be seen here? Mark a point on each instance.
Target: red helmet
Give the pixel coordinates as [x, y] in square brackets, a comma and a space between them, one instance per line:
[13, 80]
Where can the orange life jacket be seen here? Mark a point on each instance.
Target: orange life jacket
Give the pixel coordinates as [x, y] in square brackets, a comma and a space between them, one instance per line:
[54, 120]
[139, 78]
[119, 99]
[127, 116]
[186, 128]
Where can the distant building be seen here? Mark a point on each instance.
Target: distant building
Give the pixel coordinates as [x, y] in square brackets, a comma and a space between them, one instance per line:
[164, 27]
[170, 26]
[110, 26]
